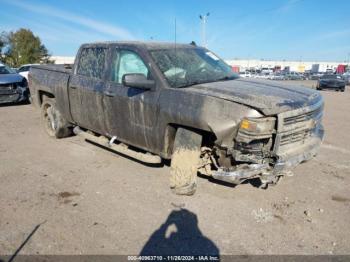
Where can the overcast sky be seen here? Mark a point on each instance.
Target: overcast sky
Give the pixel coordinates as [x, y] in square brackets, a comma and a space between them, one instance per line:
[286, 29]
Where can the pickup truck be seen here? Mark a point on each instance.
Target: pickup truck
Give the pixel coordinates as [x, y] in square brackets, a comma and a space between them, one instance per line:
[179, 102]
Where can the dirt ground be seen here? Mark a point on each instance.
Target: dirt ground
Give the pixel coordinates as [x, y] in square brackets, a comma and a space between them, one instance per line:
[90, 201]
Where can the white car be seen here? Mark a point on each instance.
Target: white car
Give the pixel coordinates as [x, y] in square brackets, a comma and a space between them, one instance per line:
[245, 74]
[24, 70]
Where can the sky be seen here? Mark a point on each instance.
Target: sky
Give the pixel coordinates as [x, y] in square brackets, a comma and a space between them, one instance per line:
[306, 30]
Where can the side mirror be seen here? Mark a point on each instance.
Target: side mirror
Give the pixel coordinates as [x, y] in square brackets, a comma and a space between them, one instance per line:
[138, 81]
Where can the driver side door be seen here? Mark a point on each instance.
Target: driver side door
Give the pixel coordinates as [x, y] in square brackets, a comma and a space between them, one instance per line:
[131, 113]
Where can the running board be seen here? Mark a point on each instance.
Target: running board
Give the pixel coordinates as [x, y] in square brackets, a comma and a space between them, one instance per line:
[120, 148]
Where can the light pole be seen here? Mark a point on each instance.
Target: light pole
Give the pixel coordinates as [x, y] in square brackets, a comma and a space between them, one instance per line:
[204, 18]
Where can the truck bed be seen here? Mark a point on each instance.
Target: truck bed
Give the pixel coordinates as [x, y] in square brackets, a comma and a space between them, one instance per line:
[50, 80]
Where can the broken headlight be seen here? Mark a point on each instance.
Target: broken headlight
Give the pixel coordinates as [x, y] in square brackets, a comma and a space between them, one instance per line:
[259, 126]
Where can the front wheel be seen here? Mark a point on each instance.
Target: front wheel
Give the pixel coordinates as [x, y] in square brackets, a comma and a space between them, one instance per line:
[185, 161]
[54, 123]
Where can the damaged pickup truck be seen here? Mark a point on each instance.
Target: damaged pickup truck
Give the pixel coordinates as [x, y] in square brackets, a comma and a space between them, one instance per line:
[154, 101]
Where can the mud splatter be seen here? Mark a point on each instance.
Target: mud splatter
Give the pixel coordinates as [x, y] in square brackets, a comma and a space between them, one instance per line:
[64, 197]
[67, 194]
[340, 199]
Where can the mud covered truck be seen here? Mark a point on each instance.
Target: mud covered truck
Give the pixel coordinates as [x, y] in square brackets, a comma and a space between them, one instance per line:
[155, 101]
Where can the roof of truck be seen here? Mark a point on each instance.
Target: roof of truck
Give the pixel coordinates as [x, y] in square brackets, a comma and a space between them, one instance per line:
[147, 45]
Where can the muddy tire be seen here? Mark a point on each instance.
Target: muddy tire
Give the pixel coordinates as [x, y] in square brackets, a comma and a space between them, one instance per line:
[184, 162]
[54, 123]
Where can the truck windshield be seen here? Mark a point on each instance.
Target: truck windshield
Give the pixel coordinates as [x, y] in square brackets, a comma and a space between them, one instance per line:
[189, 66]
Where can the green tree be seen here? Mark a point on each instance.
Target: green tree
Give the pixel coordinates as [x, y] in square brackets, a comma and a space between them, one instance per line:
[23, 47]
[2, 45]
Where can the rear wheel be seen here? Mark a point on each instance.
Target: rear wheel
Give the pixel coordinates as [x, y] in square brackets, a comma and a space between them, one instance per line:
[54, 123]
[184, 162]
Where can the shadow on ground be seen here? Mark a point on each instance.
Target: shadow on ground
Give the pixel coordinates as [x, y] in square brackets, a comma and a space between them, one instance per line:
[179, 235]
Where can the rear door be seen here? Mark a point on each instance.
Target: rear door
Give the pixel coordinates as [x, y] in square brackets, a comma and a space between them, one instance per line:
[86, 88]
[131, 113]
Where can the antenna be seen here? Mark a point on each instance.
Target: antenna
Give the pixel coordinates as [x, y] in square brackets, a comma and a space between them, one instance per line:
[204, 18]
[175, 33]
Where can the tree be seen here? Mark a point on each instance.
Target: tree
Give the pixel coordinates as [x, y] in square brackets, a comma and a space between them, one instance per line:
[2, 44]
[23, 47]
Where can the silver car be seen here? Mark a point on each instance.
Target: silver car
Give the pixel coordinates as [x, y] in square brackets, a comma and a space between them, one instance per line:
[13, 87]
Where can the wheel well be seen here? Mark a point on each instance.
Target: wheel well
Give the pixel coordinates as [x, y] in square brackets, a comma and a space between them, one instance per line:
[42, 94]
[209, 138]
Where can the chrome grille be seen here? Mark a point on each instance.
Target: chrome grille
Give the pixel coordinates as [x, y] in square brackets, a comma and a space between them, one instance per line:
[297, 127]
[303, 117]
[296, 137]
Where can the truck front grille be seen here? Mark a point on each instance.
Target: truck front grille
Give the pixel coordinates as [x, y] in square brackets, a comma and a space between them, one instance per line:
[296, 137]
[296, 128]
[302, 117]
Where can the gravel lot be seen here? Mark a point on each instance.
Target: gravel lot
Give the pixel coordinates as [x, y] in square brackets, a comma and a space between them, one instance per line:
[91, 201]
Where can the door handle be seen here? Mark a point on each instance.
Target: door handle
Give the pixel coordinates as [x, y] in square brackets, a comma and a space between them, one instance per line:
[109, 93]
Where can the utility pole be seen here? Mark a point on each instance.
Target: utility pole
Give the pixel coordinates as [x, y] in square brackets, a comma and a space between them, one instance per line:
[204, 18]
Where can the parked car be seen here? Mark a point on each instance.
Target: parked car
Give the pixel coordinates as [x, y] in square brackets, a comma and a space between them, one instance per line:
[13, 87]
[181, 102]
[294, 76]
[346, 77]
[24, 70]
[277, 76]
[335, 82]
[316, 76]
[245, 74]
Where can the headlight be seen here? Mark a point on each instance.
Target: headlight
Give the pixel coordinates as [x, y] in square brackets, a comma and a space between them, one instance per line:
[264, 125]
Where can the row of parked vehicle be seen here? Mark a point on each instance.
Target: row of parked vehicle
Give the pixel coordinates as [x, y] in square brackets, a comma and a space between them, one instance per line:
[293, 76]
[274, 76]
[324, 81]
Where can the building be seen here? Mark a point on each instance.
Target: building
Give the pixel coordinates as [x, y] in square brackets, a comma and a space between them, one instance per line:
[63, 59]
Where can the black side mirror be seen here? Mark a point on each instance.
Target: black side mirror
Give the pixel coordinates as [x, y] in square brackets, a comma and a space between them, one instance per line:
[138, 81]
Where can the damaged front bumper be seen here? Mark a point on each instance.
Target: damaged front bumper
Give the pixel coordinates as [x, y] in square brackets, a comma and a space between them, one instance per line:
[269, 173]
[294, 144]
[13, 95]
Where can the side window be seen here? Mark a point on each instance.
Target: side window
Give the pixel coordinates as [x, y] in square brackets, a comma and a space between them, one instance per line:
[23, 69]
[129, 63]
[92, 62]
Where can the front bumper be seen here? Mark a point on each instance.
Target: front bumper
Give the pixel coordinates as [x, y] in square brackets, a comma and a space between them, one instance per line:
[268, 173]
[13, 96]
[300, 134]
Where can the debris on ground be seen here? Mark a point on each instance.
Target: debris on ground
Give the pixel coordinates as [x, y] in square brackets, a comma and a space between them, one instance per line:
[262, 216]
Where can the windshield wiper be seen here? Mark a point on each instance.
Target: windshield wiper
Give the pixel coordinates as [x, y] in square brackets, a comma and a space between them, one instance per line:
[226, 78]
[191, 84]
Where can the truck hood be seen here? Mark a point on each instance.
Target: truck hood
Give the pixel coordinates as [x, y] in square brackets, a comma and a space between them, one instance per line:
[10, 78]
[268, 97]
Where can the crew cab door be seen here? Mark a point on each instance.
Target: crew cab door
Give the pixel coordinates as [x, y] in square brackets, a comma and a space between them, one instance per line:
[86, 88]
[131, 113]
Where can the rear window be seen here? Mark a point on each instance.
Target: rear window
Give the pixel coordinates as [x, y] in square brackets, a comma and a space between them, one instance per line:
[92, 62]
